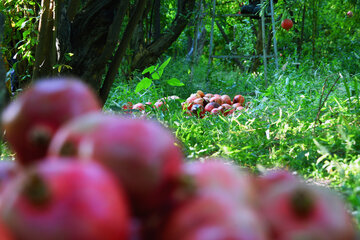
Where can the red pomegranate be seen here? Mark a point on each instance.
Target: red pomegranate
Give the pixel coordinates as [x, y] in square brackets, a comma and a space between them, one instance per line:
[349, 13]
[160, 105]
[287, 24]
[66, 199]
[213, 216]
[139, 106]
[217, 99]
[215, 111]
[226, 99]
[142, 155]
[5, 234]
[65, 142]
[127, 106]
[31, 120]
[198, 110]
[8, 170]
[239, 99]
[216, 175]
[211, 106]
[295, 210]
[273, 178]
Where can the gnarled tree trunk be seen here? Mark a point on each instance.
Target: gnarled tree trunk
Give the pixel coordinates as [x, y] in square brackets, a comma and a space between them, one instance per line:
[148, 55]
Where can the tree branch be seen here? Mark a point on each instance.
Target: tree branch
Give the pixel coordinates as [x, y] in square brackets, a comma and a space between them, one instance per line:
[120, 52]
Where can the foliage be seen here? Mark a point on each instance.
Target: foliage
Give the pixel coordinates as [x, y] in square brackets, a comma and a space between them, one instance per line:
[155, 73]
[279, 129]
[20, 37]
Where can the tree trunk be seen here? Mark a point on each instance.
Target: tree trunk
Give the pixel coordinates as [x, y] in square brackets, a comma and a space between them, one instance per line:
[314, 29]
[156, 7]
[120, 52]
[227, 40]
[4, 96]
[300, 43]
[148, 55]
[45, 54]
[258, 48]
[93, 36]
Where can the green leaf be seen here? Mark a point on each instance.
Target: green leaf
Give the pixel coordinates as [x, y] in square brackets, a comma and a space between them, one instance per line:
[165, 63]
[175, 82]
[20, 22]
[155, 76]
[143, 84]
[162, 67]
[149, 69]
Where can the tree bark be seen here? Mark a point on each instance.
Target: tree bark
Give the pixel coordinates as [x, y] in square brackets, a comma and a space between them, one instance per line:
[148, 55]
[93, 36]
[227, 40]
[4, 95]
[300, 43]
[45, 54]
[156, 7]
[258, 48]
[120, 52]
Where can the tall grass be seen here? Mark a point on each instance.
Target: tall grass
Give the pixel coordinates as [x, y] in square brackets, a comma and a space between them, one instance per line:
[287, 126]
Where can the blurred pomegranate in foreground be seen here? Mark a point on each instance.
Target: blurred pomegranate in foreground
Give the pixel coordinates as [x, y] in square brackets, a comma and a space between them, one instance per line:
[142, 155]
[211, 217]
[67, 139]
[31, 120]
[294, 210]
[66, 199]
[217, 175]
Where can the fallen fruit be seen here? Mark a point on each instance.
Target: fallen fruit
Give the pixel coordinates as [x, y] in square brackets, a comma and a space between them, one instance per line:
[66, 199]
[31, 120]
[141, 154]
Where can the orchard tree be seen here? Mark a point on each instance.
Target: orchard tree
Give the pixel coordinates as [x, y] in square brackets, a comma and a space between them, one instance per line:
[3, 89]
[89, 38]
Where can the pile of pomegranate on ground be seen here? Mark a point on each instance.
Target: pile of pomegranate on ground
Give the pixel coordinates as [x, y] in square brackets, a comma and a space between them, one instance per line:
[198, 104]
[81, 174]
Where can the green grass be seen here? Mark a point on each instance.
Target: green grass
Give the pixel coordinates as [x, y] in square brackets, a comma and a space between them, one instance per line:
[281, 127]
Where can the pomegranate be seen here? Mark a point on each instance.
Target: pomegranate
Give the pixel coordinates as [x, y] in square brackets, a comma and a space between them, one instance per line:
[287, 24]
[273, 178]
[200, 93]
[8, 170]
[216, 175]
[215, 111]
[213, 216]
[239, 99]
[59, 199]
[5, 234]
[226, 99]
[211, 106]
[294, 210]
[31, 120]
[198, 110]
[139, 106]
[349, 13]
[216, 99]
[160, 105]
[66, 141]
[142, 155]
[199, 101]
[235, 105]
[209, 95]
[127, 106]
[206, 101]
